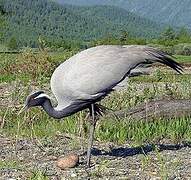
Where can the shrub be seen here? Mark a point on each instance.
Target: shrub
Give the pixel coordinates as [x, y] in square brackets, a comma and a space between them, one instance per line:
[167, 49]
[183, 49]
[32, 64]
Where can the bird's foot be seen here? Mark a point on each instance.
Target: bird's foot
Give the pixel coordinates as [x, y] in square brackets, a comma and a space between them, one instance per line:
[101, 110]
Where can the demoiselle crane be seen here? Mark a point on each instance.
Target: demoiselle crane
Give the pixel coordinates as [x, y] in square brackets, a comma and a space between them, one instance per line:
[89, 76]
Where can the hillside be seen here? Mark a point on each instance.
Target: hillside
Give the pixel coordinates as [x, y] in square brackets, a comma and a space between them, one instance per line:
[33, 18]
[174, 12]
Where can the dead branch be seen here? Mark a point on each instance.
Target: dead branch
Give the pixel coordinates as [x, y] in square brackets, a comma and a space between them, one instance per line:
[157, 109]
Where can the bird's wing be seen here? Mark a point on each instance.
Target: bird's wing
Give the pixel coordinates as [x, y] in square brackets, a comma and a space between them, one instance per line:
[99, 69]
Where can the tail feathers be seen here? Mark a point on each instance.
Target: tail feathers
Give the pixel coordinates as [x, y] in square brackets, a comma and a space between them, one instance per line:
[165, 58]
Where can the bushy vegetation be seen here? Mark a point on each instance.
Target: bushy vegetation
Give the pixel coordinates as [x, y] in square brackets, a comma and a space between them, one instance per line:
[173, 12]
[170, 41]
[31, 65]
[175, 42]
[44, 23]
[66, 26]
[2, 24]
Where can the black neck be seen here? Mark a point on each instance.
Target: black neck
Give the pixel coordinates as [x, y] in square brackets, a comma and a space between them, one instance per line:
[58, 114]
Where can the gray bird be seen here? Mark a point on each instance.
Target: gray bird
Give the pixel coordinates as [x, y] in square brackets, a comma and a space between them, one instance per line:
[87, 77]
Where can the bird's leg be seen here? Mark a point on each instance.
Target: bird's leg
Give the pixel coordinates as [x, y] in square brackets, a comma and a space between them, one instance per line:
[91, 135]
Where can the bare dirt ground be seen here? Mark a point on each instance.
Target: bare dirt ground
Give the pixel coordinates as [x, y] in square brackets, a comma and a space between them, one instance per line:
[109, 161]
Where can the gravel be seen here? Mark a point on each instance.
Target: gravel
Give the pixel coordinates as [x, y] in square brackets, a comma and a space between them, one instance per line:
[21, 158]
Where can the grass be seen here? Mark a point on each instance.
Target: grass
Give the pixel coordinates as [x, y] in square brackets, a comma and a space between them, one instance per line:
[11, 164]
[183, 59]
[163, 77]
[144, 132]
[36, 123]
[18, 67]
[31, 66]
[38, 175]
[108, 130]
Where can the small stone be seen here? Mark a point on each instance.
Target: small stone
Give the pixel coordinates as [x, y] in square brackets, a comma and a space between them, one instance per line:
[73, 175]
[68, 161]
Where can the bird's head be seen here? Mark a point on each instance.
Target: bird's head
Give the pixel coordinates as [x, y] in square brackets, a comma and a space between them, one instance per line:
[36, 99]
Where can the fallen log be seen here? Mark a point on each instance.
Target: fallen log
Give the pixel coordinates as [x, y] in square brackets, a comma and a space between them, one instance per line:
[156, 109]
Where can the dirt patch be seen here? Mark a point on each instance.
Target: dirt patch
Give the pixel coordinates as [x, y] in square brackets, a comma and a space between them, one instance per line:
[21, 158]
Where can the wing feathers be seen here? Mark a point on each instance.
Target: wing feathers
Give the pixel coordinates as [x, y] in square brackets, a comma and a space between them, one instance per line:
[164, 58]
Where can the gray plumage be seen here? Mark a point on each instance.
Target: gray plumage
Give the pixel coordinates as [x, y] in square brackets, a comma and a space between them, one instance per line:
[93, 73]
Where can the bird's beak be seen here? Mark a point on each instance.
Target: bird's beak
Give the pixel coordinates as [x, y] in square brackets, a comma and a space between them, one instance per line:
[24, 108]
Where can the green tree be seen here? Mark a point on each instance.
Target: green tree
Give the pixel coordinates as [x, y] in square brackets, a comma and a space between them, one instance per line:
[30, 19]
[124, 37]
[1, 18]
[12, 44]
[168, 37]
[168, 34]
[41, 43]
[1, 7]
[184, 35]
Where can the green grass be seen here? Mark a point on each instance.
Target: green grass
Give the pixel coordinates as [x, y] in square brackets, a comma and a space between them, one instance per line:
[144, 132]
[183, 59]
[11, 164]
[162, 77]
[38, 175]
[36, 123]
[31, 66]
[112, 130]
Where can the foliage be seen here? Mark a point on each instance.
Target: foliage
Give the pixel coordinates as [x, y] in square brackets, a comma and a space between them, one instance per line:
[184, 36]
[38, 175]
[174, 13]
[12, 44]
[170, 41]
[2, 18]
[168, 34]
[183, 49]
[170, 37]
[173, 42]
[123, 39]
[13, 164]
[31, 65]
[66, 26]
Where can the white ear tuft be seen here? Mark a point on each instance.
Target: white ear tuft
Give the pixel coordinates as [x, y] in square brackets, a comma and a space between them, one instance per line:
[42, 95]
